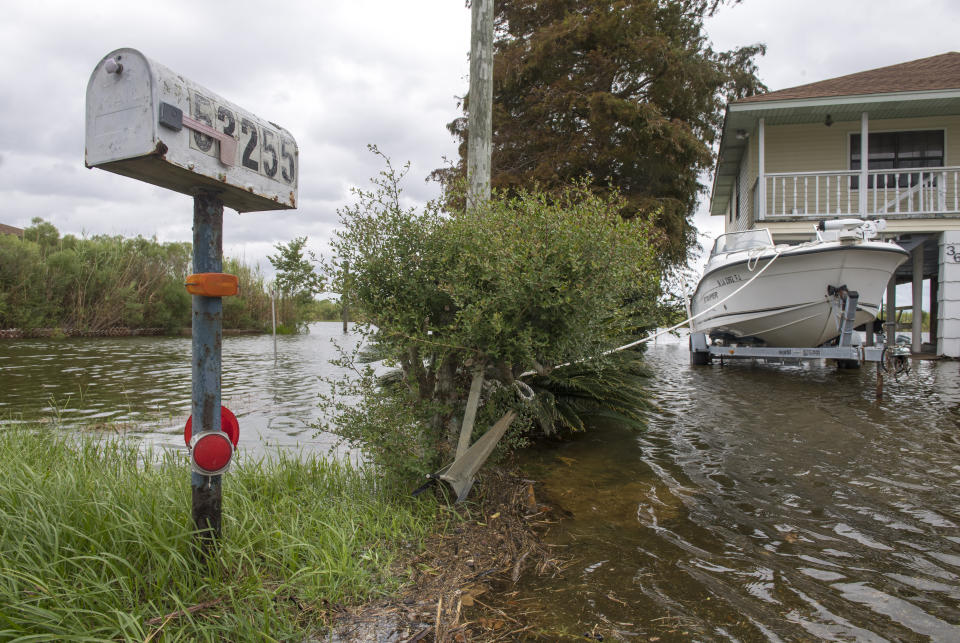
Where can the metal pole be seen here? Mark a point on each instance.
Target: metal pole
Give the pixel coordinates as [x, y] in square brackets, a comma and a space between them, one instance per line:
[273, 319]
[917, 285]
[207, 337]
[890, 325]
[479, 119]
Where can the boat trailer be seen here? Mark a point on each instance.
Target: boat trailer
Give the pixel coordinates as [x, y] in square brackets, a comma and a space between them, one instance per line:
[847, 355]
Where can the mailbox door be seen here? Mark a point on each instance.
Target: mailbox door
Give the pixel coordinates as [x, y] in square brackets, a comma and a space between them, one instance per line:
[120, 123]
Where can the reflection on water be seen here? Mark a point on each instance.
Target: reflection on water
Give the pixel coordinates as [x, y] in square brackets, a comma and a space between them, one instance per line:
[764, 502]
[142, 384]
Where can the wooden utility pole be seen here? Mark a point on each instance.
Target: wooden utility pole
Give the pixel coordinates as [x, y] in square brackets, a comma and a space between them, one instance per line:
[479, 137]
[480, 117]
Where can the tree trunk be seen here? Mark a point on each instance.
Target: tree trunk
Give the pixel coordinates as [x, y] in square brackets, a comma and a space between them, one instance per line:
[447, 432]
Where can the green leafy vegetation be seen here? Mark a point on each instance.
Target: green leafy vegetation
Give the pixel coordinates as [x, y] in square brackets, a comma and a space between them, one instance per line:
[525, 282]
[97, 543]
[629, 92]
[101, 282]
[297, 282]
[906, 318]
[325, 310]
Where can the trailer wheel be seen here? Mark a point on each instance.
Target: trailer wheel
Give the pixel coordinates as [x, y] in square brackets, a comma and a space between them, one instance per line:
[845, 364]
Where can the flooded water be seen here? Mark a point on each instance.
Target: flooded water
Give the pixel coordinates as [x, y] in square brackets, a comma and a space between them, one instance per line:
[141, 385]
[764, 502]
[777, 503]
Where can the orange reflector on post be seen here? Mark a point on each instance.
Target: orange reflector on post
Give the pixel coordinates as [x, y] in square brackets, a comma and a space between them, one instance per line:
[213, 284]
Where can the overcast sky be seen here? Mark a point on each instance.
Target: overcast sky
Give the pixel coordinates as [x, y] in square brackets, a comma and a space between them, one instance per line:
[337, 75]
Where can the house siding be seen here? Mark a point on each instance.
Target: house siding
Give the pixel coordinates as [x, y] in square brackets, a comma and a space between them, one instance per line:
[746, 196]
[817, 148]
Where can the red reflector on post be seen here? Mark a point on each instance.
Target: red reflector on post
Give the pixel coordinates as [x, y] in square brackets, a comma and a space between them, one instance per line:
[211, 452]
[228, 424]
[213, 284]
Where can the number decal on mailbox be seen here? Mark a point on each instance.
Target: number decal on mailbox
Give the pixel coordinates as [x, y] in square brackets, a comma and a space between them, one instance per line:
[261, 149]
[251, 144]
[288, 150]
[202, 110]
[271, 160]
[226, 121]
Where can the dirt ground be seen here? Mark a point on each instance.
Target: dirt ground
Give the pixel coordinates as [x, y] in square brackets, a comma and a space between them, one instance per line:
[462, 585]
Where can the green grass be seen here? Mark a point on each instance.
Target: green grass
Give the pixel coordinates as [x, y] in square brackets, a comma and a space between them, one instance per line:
[94, 543]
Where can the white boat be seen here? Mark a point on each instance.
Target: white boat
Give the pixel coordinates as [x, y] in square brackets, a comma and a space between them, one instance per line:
[795, 296]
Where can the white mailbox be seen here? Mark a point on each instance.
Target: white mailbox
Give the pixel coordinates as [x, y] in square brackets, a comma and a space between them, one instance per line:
[149, 123]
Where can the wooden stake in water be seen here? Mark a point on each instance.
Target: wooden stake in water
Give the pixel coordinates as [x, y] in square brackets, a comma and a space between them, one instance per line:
[344, 299]
[273, 318]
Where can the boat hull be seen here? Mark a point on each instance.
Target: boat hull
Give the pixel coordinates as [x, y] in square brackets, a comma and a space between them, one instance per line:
[788, 304]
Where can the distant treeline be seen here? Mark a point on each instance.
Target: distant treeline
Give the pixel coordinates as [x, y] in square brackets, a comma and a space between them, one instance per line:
[100, 282]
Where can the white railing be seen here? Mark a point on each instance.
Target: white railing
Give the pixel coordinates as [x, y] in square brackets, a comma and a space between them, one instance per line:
[905, 192]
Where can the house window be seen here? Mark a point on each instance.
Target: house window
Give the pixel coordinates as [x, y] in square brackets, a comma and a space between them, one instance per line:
[897, 150]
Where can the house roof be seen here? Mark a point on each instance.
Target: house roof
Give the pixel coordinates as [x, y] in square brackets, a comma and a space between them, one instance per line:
[933, 73]
[919, 88]
[9, 229]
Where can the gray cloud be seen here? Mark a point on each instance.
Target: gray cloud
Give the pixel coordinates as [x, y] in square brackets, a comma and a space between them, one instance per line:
[338, 76]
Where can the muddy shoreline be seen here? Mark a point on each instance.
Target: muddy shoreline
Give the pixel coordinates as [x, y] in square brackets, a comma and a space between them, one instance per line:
[462, 582]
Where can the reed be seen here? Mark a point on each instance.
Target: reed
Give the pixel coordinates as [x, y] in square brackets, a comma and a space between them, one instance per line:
[97, 543]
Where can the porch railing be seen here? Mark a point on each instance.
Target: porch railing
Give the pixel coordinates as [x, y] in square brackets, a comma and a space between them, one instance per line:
[917, 191]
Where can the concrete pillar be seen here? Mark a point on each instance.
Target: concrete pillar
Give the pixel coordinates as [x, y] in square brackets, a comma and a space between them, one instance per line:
[917, 309]
[948, 296]
[762, 170]
[864, 156]
[890, 318]
[934, 316]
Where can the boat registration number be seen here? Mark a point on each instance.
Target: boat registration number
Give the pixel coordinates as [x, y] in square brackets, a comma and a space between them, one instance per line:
[729, 279]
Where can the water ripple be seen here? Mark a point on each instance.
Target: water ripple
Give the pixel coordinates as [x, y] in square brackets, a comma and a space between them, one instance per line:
[142, 384]
[771, 503]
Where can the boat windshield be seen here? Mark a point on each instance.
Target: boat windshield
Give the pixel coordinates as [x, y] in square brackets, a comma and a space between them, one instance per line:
[737, 241]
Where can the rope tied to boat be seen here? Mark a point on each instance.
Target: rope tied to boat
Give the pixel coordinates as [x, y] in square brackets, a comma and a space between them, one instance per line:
[753, 258]
[686, 321]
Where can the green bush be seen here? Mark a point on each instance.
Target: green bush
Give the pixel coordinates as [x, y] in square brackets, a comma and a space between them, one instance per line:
[515, 285]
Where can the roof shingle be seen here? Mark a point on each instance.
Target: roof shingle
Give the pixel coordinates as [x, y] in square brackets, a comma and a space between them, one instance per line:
[935, 72]
[9, 229]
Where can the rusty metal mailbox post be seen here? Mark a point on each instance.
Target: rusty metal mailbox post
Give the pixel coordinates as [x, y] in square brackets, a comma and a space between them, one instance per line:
[146, 122]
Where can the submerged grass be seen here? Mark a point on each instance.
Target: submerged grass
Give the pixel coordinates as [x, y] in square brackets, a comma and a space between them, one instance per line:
[97, 543]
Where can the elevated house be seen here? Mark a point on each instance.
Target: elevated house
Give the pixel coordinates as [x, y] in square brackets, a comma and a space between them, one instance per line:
[791, 158]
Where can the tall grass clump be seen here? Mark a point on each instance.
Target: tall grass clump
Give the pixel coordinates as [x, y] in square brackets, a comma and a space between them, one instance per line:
[97, 543]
